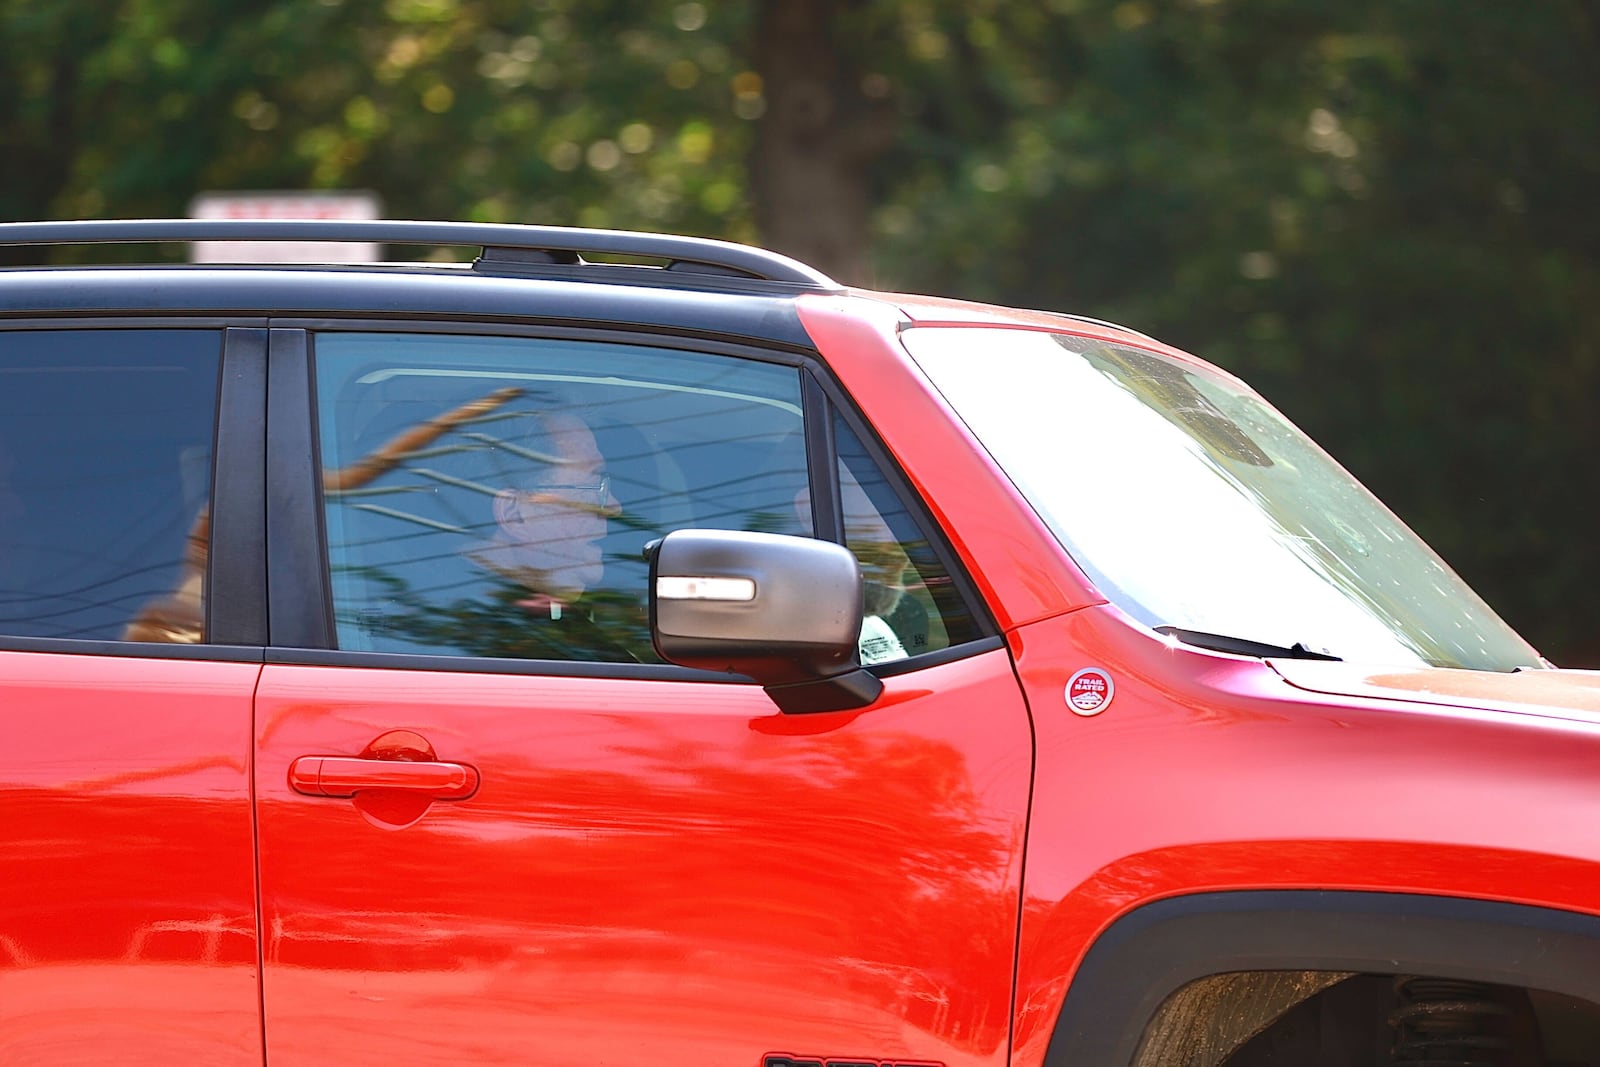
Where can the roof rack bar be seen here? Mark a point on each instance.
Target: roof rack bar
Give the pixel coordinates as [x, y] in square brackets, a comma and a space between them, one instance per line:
[756, 262]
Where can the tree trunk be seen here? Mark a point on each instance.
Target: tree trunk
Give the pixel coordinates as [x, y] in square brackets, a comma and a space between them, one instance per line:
[817, 138]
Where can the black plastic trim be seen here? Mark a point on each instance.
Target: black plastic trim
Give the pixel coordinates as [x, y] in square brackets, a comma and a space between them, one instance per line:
[1157, 949]
[135, 649]
[827, 509]
[840, 692]
[682, 275]
[403, 661]
[298, 595]
[236, 588]
[950, 654]
[401, 293]
[658, 672]
[175, 320]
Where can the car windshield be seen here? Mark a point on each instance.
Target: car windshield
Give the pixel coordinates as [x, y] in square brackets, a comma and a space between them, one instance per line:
[1200, 511]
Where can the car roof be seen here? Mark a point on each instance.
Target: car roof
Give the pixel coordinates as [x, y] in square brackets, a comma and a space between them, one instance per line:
[520, 273]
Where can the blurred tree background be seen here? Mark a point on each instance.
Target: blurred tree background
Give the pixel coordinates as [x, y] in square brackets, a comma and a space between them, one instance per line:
[1378, 212]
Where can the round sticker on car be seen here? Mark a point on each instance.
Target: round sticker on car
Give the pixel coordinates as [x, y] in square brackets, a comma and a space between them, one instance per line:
[1089, 691]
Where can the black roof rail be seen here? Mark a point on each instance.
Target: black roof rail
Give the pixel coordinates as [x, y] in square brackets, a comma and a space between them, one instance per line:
[562, 244]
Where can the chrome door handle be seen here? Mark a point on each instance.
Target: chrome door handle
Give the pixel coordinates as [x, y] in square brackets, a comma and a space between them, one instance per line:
[345, 776]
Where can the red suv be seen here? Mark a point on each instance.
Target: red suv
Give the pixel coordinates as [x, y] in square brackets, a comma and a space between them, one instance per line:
[636, 649]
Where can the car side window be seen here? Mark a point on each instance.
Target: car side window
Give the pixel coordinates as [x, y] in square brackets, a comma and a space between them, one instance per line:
[911, 604]
[492, 496]
[105, 477]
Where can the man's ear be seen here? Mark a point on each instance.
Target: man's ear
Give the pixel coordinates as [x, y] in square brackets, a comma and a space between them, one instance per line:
[505, 507]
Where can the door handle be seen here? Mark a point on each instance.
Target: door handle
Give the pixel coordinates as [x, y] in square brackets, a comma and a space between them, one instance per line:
[344, 776]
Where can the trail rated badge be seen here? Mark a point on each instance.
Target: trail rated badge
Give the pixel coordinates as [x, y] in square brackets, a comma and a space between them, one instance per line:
[1089, 691]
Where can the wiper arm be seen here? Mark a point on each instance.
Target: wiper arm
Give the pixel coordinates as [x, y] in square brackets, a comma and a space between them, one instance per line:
[1240, 646]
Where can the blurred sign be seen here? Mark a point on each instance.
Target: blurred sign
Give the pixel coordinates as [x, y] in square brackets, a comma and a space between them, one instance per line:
[285, 205]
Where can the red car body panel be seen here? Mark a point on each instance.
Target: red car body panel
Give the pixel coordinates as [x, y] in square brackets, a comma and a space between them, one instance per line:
[1207, 770]
[673, 872]
[128, 898]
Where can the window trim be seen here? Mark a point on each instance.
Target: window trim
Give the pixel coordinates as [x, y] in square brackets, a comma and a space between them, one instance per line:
[555, 668]
[76, 646]
[299, 597]
[843, 405]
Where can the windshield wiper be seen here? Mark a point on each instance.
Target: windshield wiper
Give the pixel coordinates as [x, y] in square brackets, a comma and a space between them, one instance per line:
[1240, 646]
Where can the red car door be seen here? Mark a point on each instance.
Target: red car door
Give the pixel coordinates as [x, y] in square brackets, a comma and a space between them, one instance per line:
[493, 829]
[127, 902]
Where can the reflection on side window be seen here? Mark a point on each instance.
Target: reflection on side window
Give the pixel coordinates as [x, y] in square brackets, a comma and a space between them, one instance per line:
[490, 496]
[105, 471]
[911, 605]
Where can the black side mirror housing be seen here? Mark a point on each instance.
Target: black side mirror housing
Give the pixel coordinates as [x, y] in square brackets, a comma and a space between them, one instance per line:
[785, 611]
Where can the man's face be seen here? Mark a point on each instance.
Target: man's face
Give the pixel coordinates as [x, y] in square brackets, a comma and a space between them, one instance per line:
[555, 531]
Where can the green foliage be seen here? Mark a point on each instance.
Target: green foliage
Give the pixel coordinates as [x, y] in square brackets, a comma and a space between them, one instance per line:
[1377, 212]
[580, 113]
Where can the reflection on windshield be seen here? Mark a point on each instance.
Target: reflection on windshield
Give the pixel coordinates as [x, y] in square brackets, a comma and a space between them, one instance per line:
[1168, 390]
[1192, 504]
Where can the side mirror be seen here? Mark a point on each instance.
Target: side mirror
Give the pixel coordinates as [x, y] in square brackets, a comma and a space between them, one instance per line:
[783, 610]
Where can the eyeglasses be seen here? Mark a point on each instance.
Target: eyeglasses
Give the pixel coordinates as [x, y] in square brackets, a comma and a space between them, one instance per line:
[576, 493]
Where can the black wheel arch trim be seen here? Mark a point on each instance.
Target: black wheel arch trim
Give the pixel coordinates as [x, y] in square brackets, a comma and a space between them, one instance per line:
[1155, 950]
